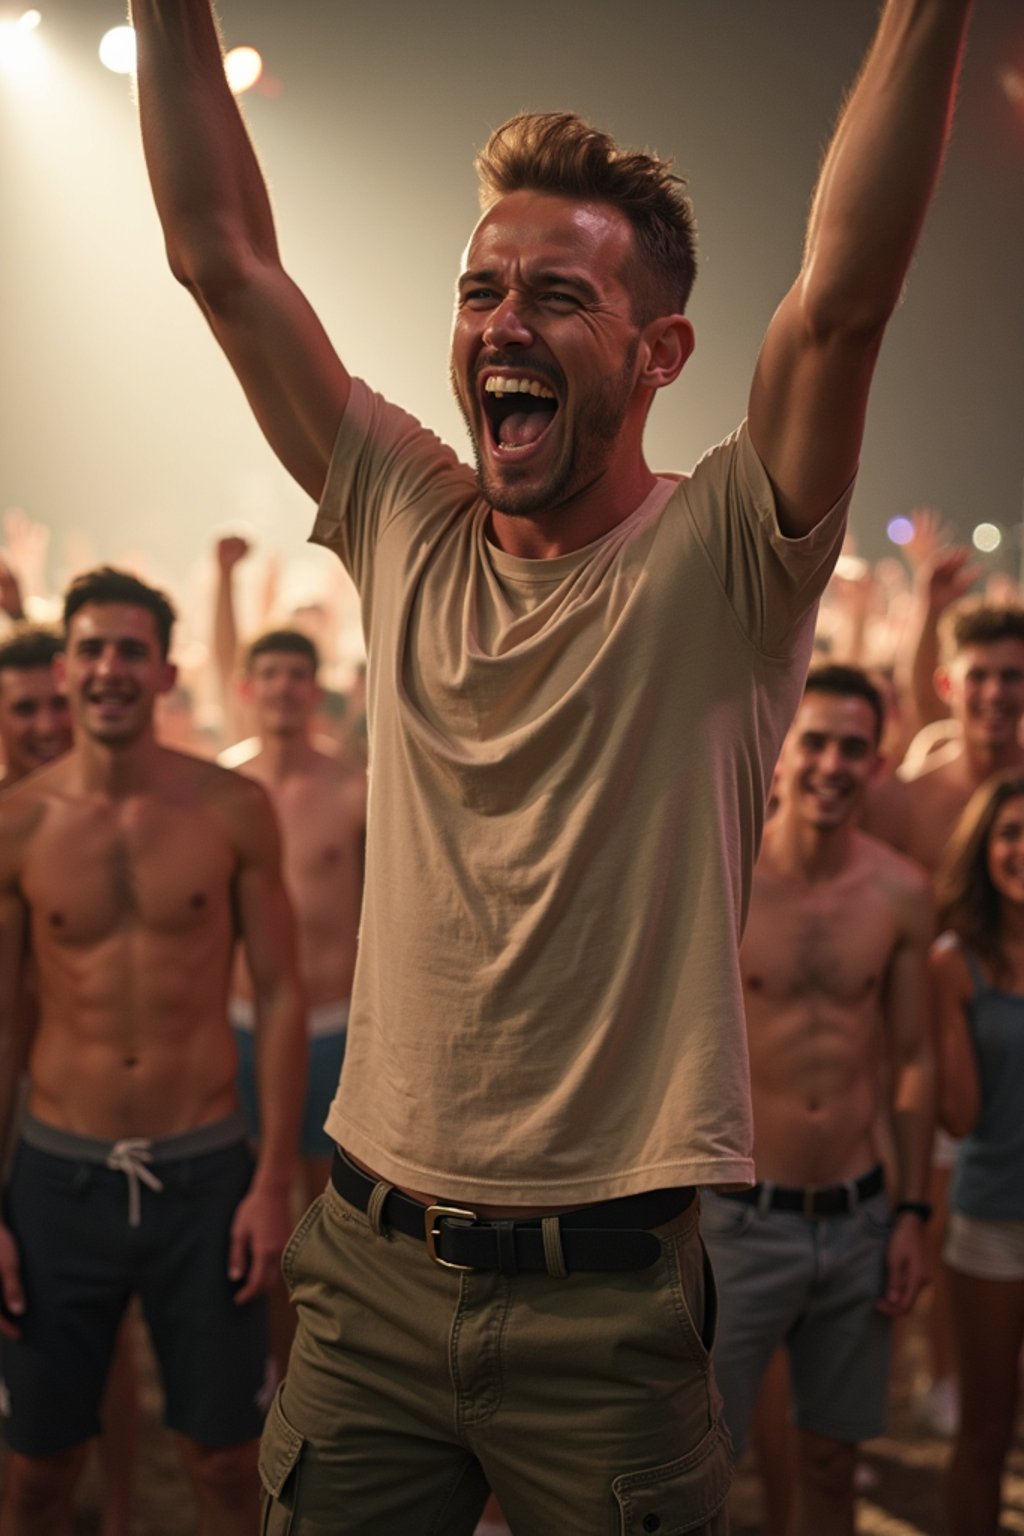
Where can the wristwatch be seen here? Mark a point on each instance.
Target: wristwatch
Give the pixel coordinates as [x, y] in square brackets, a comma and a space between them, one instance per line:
[921, 1208]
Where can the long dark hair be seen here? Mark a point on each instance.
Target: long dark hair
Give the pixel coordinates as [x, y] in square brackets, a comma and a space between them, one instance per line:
[968, 902]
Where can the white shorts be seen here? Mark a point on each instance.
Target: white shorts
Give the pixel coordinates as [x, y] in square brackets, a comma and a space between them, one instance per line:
[988, 1250]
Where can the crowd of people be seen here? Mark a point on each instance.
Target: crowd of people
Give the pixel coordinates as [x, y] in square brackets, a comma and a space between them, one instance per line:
[622, 949]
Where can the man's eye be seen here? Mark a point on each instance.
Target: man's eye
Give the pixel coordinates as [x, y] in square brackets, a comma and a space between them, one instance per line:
[478, 298]
[559, 300]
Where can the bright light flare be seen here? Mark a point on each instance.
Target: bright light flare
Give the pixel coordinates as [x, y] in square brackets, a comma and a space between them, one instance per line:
[243, 67]
[19, 46]
[987, 537]
[900, 530]
[1012, 82]
[117, 50]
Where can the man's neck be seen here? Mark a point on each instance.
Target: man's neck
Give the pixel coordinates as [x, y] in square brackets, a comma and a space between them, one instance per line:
[286, 754]
[805, 852]
[119, 769]
[980, 762]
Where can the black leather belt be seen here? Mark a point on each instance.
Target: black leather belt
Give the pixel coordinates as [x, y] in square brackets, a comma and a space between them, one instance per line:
[826, 1200]
[610, 1236]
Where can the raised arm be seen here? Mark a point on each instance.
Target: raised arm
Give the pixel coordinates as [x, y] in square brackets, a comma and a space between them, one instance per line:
[810, 388]
[219, 230]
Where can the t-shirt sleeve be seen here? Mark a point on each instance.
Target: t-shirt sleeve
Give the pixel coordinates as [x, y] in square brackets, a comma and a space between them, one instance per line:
[771, 581]
[383, 466]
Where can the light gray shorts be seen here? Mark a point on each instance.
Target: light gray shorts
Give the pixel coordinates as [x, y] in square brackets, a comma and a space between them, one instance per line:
[987, 1250]
[811, 1285]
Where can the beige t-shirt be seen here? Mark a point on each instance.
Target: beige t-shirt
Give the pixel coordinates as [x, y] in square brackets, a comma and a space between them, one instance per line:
[569, 761]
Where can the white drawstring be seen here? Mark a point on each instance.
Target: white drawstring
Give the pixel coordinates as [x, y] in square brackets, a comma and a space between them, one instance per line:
[130, 1158]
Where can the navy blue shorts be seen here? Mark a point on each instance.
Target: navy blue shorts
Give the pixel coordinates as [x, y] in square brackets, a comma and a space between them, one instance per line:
[81, 1261]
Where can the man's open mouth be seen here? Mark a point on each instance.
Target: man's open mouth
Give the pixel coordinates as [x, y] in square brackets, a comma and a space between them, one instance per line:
[518, 409]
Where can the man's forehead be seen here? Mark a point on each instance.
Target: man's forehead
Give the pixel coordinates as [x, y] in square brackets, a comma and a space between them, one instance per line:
[835, 714]
[538, 224]
[990, 655]
[28, 682]
[114, 620]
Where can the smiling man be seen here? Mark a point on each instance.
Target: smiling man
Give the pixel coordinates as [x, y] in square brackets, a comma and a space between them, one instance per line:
[819, 1255]
[35, 725]
[504, 1281]
[129, 871]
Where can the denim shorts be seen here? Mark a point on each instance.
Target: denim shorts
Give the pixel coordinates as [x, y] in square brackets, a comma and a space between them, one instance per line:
[813, 1286]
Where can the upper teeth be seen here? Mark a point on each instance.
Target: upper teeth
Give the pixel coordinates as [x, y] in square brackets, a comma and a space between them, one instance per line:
[495, 384]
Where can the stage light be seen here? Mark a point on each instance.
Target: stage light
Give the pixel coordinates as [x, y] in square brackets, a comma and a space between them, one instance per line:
[19, 46]
[243, 67]
[117, 50]
[987, 537]
[900, 530]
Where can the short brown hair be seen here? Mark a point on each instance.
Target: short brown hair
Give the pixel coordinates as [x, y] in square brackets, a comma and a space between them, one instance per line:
[283, 642]
[844, 682]
[975, 622]
[29, 647]
[559, 153]
[106, 584]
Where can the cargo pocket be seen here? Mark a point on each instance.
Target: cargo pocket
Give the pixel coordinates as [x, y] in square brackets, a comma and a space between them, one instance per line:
[684, 1495]
[279, 1463]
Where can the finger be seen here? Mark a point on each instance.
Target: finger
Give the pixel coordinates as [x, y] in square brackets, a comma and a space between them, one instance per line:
[261, 1273]
[238, 1253]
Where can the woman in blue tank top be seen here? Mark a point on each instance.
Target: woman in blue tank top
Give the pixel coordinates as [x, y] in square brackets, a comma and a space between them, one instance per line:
[978, 974]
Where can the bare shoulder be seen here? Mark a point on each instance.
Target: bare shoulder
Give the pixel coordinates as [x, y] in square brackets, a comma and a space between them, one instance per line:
[898, 877]
[238, 800]
[24, 807]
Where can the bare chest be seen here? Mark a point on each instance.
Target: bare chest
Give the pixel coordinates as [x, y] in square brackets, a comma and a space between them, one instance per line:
[94, 872]
[817, 948]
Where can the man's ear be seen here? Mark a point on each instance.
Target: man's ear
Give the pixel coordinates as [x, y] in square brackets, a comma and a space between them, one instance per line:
[169, 678]
[665, 346]
[942, 683]
[60, 669]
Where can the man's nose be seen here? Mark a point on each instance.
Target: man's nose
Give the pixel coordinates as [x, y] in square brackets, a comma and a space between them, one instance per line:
[506, 326]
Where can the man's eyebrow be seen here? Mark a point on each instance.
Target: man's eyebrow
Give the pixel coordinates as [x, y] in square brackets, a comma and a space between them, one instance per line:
[549, 276]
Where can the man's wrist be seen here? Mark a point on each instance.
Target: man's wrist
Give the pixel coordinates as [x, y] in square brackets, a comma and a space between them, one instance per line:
[922, 1209]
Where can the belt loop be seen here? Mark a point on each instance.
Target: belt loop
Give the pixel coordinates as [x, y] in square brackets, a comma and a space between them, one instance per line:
[765, 1190]
[852, 1195]
[375, 1206]
[554, 1256]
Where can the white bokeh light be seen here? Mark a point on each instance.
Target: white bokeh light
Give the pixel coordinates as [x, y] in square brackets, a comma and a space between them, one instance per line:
[987, 537]
[19, 44]
[117, 50]
[243, 67]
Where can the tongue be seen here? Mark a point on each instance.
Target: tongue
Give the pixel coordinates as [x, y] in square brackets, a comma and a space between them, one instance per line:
[523, 427]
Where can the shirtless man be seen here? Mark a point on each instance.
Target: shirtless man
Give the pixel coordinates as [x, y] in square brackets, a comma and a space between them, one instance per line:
[980, 680]
[819, 1254]
[35, 725]
[320, 800]
[132, 869]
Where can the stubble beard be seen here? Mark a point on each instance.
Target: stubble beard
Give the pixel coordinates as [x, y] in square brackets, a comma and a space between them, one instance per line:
[599, 419]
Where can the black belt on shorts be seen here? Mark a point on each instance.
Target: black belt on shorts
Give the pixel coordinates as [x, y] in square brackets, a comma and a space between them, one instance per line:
[610, 1236]
[826, 1200]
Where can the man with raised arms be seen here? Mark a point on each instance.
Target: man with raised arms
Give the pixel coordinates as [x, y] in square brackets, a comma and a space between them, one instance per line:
[131, 870]
[504, 1281]
[819, 1254]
